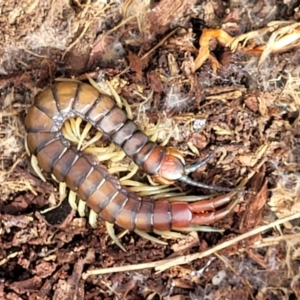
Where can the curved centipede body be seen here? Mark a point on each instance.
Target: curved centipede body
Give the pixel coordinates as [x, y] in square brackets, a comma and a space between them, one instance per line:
[91, 181]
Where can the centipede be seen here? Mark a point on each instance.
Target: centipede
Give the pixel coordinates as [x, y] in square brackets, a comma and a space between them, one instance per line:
[91, 181]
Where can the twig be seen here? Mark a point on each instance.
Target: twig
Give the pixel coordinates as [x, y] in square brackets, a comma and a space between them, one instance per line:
[162, 265]
[85, 28]
[271, 241]
[124, 268]
[152, 49]
[188, 258]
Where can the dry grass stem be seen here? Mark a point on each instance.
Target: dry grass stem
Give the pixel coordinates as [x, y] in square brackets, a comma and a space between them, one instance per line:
[165, 264]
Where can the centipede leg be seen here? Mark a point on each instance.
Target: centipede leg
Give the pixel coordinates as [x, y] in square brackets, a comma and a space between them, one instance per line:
[111, 232]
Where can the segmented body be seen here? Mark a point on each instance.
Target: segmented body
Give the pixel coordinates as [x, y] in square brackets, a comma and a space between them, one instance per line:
[91, 180]
[82, 174]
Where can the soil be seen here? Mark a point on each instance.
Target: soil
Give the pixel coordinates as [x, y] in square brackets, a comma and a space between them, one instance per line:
[248, 110]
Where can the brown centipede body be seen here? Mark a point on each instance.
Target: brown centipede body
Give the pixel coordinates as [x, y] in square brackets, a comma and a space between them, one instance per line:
[91, 181]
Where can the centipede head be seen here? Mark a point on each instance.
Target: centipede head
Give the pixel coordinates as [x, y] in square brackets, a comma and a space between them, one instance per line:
[173, 168]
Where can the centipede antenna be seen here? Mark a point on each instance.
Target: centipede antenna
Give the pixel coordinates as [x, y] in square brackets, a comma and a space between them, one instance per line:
[200, 163]
[190, 181]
